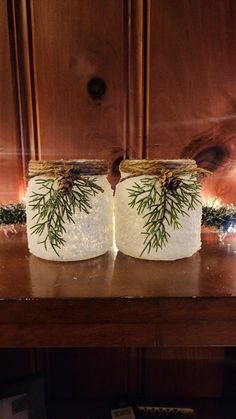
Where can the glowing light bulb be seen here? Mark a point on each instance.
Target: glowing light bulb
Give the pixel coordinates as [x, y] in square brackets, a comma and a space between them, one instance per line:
[22, 194]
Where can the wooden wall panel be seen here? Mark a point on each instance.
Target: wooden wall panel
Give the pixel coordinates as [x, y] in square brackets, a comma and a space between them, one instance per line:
[11, 170]
[191, 89]
[74, 42]
[136, 24]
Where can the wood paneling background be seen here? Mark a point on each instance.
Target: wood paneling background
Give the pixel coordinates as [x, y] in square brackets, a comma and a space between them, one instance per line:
[75, 42]
[11, 167]
[191, 88]
[169, 67]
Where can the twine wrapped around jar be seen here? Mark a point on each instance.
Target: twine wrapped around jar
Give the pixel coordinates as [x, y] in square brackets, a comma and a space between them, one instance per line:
[158, 209]
[55, 168]
[69, 209]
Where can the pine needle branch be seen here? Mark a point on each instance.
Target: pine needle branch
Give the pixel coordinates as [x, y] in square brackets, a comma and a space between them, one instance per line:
[162, 206]
[56, 204]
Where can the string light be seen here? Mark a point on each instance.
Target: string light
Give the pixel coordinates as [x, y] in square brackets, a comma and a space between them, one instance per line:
[220, 216]
[217, 215]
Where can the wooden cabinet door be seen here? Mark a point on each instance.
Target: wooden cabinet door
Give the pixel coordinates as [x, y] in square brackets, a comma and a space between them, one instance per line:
[191, 88]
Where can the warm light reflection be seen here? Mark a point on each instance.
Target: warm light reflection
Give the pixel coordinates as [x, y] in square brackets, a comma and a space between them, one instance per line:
[229, 227]
[221, 184]
[212, 201]
[231, 230]
[22, 194]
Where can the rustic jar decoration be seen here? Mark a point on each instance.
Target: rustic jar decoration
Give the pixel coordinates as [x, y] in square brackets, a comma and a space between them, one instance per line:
[69, 209]
[158, 209]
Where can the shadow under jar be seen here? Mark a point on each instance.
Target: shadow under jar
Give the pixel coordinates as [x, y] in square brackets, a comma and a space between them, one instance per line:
[158, 209]
[69, 208]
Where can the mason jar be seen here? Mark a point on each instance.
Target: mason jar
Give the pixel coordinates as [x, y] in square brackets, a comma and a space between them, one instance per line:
[158, 209]
[69, 209]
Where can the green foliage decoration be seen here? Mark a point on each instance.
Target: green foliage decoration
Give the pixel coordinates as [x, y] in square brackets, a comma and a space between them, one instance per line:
[12, 214]
[55, 204]
[161, 201]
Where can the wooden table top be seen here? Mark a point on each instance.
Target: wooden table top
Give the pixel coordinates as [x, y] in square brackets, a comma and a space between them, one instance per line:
[121, 300]
[211, 272]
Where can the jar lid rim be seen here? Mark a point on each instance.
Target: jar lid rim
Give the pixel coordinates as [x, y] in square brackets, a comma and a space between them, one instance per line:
[144, 165]
[56, 168]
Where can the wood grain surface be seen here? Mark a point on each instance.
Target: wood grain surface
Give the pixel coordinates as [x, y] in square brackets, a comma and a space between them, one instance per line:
[57, 49]
[209, 273]
[115, 300]
[74, 42]
[201, 372]
[11, 169]
[191, 90]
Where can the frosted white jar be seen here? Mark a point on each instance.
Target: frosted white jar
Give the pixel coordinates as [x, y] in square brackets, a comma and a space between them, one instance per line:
[130, 226]
[89, 234]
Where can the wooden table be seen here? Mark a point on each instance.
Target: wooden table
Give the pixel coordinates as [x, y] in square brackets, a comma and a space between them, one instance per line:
[116, 300]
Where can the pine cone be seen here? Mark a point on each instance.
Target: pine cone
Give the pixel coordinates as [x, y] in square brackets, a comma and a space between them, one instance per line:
[65, 184]
[169, 181]
[173, 183]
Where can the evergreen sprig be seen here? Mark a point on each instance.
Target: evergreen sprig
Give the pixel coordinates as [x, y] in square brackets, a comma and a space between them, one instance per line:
[219, 216]
[55, 205]
[12, 214]
[161, 206]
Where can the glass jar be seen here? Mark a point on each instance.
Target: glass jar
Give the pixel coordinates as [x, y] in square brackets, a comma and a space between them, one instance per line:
[69, 207]
[158, 209]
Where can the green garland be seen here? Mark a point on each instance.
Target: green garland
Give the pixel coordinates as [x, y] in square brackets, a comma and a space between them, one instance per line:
[214, 215]
[12, 214]
[221, 217]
